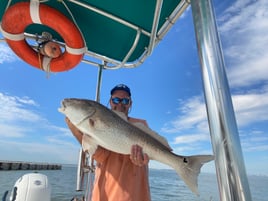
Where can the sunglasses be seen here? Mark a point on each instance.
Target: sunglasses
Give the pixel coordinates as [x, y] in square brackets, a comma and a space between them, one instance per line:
[124, 101]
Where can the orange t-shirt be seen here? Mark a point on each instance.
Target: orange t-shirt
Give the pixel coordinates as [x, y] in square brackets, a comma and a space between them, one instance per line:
[118, 179]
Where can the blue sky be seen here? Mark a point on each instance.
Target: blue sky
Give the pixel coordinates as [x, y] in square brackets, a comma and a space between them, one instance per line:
[167, 92]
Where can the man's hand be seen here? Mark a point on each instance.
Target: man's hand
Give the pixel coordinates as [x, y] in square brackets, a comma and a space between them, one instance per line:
[138, 157]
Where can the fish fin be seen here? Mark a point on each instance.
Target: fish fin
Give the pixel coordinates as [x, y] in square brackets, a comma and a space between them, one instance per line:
[88, 144]
[191, 169]
[121, 114]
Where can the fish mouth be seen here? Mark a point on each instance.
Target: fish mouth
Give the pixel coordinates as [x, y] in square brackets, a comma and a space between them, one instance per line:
[62, 108]
[64, 104]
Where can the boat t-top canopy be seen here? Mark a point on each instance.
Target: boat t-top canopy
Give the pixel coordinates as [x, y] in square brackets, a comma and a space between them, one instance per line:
[116, 33]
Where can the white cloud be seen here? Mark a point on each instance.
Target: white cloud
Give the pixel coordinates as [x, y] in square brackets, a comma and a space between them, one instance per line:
[6, 55]
[191, 138]
[12, 131]
[17, 116]
[244, 29]
[254, 140]
[39, 139]
[192, 114]
[251, 107]
[14, 108]
[20, 114]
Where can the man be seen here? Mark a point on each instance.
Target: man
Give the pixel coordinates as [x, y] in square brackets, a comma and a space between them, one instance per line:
[119, 177]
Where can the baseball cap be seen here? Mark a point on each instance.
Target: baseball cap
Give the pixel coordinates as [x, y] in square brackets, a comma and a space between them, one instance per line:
[122, 87]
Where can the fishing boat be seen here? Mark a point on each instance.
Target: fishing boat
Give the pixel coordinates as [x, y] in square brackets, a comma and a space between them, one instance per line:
[90, 30]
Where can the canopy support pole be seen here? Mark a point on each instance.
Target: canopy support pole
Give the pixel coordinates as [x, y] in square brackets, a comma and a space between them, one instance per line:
[97, 98]
[85, 163]
[230, 168]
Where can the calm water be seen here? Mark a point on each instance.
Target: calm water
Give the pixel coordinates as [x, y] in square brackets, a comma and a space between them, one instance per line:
[165, 185]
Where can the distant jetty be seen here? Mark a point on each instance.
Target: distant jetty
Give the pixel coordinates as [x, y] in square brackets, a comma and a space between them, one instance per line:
[19, 165]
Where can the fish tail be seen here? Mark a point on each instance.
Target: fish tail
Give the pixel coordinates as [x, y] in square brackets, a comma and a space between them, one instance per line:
[190, 169]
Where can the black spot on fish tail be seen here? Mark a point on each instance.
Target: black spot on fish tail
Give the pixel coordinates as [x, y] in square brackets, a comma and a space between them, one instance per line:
[185, 160]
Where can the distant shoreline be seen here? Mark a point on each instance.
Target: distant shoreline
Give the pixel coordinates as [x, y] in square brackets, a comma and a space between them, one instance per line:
[22, 165]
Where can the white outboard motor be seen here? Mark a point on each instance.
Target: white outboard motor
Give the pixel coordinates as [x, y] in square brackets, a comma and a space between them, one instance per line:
[31, 187]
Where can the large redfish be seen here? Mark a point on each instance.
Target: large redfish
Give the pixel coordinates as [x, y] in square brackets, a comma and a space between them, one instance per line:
[112, 132]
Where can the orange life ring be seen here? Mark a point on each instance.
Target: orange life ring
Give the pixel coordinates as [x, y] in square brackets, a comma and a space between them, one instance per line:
[23, 14]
